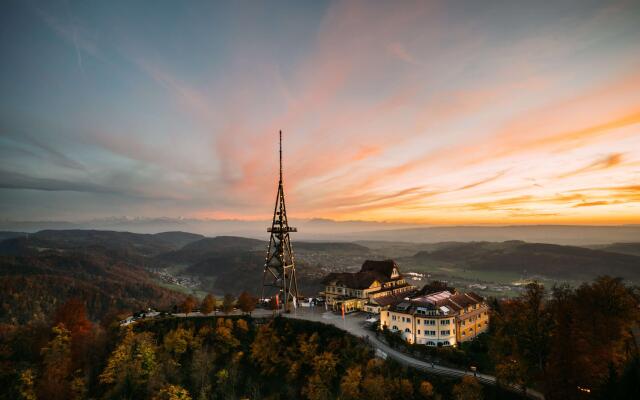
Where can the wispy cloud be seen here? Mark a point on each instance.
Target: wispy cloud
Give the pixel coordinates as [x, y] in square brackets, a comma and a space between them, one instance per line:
[38, 148]
[68, 30]
[422, 112]
[609, 161]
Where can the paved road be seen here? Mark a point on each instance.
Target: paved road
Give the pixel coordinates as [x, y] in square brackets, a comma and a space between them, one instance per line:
[356, 325]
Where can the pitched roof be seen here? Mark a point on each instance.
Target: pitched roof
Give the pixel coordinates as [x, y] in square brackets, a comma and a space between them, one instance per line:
[355, 280]
[453, 302]
[371, 271]
[383, 267]
[392, 299]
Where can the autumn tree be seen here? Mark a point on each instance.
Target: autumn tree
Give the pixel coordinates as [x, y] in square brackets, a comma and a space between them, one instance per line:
[246, 302]
[564, 368]
[426, 390]
[267, 350]
[26, 387]
[172, 392]
[350, 384]
[318, 386]
[534, 333]
[202, 364]
[468, 389]
[188, 304]
[374, 387]
[56, 358]
[176, 343]
[131, 365]
[73, 314]
[520, 344]
[208, 304]
[591, 336]
[227, 303]
[225, 340]
[78, 386]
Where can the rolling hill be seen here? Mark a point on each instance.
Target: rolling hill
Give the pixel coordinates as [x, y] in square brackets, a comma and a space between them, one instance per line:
[32, 287]
[121, 242]
[561, 262]
[624, 248]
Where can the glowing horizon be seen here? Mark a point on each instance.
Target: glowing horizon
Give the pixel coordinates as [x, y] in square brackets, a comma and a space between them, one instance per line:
[429, 113]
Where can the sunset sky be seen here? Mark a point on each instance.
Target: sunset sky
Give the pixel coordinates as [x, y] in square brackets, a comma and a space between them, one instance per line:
[431, 112]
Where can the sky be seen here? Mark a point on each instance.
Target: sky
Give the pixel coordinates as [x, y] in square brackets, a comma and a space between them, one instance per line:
[429, 112]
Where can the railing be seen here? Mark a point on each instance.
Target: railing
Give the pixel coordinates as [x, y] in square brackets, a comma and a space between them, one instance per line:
[277, 229]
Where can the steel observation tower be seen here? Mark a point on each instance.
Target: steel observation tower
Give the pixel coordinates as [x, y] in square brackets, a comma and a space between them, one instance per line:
[279, 276]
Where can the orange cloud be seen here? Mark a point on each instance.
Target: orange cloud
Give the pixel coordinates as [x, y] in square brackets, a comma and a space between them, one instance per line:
[609, 161]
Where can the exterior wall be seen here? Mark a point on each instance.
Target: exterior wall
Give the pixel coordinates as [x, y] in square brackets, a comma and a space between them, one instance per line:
[388, 290]
[335, 294]
[351, 305]
[422, 329]
[434, 330]
[472, 322]
[371, 308]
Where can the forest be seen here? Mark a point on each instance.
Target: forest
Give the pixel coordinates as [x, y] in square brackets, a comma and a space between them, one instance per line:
[207, 358]
[572, 343]
[567, 342]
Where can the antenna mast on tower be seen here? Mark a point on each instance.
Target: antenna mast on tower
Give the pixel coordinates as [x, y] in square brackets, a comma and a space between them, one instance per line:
[279, 275]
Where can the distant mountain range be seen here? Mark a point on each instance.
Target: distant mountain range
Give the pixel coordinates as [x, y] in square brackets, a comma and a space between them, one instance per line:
[111, 269]
[350, 231]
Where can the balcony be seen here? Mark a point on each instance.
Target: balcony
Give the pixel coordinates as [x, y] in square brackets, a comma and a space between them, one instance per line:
[284, 229]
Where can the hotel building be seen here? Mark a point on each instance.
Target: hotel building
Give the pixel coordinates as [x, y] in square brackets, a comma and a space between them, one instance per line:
[438, 319]
[358, 291]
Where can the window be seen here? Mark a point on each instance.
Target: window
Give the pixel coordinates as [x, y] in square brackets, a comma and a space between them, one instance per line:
[418, 321]
[387, 313]
[393, 318]
[407, 330]
[395, 328]
[445, 333]
[444, 322]
[418, 331]
[430, 343]
[446, 343]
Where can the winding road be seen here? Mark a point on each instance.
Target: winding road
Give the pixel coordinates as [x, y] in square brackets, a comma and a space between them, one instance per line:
[356, 325]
